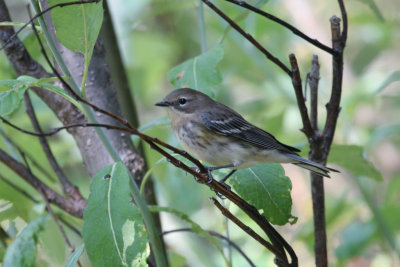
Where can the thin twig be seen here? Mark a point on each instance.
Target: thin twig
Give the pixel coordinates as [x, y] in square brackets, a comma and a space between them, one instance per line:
[49, 209]
[18, 189]
[70, 226]
[248, 37]
[31, 198]
[247, 229]
[69, 188]
[333, 106]
[31, 159]
[58, 129]
[74, 208]
[213, 233]
[296, 81]
[43, 12]
[295, 31]
[345, 23]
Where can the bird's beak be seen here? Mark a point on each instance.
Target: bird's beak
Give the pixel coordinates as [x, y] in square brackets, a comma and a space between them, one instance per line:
[163, 104]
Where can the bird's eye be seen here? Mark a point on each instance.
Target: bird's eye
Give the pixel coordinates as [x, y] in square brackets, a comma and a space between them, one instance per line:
[182, 101]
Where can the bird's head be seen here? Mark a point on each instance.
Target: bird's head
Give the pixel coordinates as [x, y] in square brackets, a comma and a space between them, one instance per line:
[185, 101]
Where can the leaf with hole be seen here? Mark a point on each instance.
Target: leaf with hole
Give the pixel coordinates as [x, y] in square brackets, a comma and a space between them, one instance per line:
[113, 230]
[266, 187]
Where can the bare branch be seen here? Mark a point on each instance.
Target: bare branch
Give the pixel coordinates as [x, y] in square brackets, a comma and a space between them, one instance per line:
[75, 208]
[345, 23]
[248, 230]
[248, 37]
[69, 188]
[213, 233]
[333, 106]
[296, 81]
[313, 81]
[295, 31]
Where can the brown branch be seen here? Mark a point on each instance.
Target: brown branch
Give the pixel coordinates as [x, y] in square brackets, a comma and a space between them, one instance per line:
[313, 81]
[213, 233]
[296, 81]
[248, 37]
[31, 198]
[48, 207]
[58, 129]
[69, 188]
[75, 208]
[333, 106]
[345, 23]
[248, 230]
[295, 31]
[54, 217]
[31, 159]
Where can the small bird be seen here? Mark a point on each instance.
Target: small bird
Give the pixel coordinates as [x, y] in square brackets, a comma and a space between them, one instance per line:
[217, 134]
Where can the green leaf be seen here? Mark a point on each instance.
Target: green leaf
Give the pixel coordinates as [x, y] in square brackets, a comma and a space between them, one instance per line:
[351, 157]
[11, 99]
[194, 226]
[199, 73]
[77, 27]
[22, 251]
[267, 188]
[113, 231]
[74, 256]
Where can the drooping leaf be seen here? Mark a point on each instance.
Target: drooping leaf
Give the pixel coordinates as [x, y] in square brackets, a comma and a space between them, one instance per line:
[22, 251]
[74, 256]
[113, 231]
[199, 73]
[351, 157]
[77, 27]
[267, 188]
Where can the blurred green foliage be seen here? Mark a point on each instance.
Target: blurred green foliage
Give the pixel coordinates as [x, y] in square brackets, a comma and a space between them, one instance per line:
[156, 35]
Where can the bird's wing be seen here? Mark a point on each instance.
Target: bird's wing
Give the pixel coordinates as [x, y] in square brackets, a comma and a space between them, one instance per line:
[230, 123]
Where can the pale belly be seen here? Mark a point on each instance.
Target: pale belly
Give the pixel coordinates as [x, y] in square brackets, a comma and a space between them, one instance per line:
[221, 151]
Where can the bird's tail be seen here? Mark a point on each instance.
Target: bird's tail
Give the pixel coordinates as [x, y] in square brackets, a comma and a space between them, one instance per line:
[311, 166]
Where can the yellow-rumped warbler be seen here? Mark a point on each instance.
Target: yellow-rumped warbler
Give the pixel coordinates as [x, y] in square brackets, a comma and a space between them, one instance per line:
[220, 136]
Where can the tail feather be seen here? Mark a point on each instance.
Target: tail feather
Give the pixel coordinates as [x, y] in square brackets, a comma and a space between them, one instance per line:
[312, 166]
